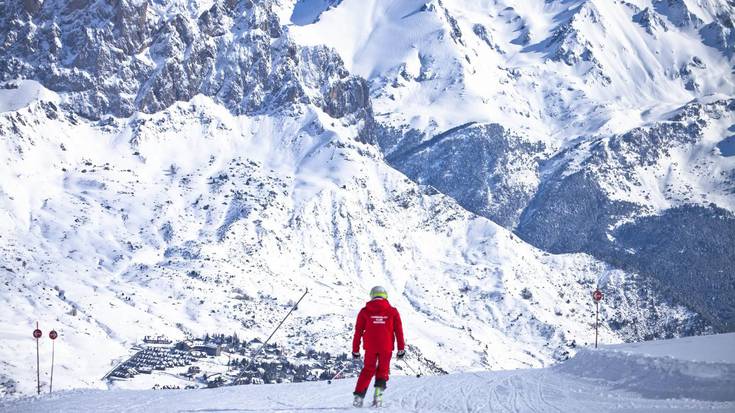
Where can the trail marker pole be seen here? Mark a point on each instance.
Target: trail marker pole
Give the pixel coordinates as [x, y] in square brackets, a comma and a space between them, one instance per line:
[52, 335]
[37, 334]
[597, 321]
[597, 297]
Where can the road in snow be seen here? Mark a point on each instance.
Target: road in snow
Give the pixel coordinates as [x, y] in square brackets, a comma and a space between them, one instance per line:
[555, 389]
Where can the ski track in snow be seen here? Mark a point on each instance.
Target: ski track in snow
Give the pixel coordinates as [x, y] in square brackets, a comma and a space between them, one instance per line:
[508, 391]
[562, 388]
[604, 384]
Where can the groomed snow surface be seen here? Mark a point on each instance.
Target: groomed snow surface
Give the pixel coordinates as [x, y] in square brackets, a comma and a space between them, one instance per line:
[684, 375]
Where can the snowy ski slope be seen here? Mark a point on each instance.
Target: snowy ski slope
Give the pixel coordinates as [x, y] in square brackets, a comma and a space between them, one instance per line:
[664, 379]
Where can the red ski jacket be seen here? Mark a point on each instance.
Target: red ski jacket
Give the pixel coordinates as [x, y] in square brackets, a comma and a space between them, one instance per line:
[377, 324]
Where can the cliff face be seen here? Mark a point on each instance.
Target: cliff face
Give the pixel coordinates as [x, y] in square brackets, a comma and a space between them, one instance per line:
[119, 57]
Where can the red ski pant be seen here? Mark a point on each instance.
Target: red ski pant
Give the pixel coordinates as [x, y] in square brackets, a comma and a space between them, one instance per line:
[369, 369]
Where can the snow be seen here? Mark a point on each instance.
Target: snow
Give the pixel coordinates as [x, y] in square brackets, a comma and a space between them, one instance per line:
[718, 348]
[561, 388]
[425, 77]
[257, 205]
[18, 94]
[83, 207]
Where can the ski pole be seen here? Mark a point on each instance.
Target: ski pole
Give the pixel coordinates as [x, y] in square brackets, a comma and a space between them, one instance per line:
[262, 346]
[411, 368]
[338, 373]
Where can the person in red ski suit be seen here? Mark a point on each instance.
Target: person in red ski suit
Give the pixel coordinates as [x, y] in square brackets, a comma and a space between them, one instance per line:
[378, 325]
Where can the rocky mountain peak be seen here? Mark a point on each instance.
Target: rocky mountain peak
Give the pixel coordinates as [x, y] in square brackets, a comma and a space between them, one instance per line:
[122, 56]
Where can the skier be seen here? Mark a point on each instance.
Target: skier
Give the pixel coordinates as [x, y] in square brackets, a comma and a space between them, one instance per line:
[378, 324]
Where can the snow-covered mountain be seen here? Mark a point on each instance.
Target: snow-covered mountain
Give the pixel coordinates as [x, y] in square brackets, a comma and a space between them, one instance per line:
[223, 237]
[584, 126]
[190, 167]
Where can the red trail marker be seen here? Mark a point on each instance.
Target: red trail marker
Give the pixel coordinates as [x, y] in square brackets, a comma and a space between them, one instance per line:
[52, 335]
[597, 297]
[37, 334]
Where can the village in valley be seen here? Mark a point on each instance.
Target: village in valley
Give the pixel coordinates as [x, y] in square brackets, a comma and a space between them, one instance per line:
[219, 360]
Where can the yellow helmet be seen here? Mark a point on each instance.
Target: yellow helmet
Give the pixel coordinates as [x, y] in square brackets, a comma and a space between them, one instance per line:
[378, 291]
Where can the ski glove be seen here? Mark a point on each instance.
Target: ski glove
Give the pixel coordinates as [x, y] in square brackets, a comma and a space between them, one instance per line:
[355, 355]
[400, 354]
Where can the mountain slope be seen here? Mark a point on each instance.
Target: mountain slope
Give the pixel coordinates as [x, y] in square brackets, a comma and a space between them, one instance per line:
[221, 238]
[549, 70]
[504, 105]
[657, 199]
